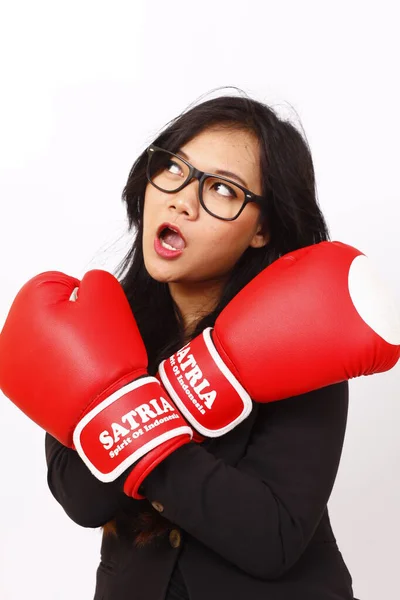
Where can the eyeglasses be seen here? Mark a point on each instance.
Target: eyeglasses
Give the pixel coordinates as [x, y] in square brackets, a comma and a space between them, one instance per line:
[219, 196]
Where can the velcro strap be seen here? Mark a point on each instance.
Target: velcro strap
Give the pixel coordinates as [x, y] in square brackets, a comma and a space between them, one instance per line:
[204, 389]
[125, 426]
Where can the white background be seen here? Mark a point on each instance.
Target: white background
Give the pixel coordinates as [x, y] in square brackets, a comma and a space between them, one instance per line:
[85, 86]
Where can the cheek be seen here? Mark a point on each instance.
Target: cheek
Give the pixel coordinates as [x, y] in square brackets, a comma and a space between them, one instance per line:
[235, 235]
[148, 207]
[225, 242]
[151, 209]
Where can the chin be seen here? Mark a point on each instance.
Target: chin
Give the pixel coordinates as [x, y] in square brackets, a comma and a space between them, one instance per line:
[160, 273]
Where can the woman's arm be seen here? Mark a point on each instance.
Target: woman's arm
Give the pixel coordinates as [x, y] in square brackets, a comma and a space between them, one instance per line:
[85, 499]
[261, 514]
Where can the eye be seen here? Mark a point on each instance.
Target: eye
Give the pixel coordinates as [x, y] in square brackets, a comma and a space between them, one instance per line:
[173, 167]
[224, 189]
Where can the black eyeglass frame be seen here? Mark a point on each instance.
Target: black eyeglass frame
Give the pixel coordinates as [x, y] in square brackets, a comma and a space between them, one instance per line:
[201, 176]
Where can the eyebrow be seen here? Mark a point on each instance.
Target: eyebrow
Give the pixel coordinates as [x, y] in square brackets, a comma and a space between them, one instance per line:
[218, 171]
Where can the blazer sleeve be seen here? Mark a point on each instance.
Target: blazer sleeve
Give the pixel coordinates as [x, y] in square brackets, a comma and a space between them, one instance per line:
[261, 513]
[85, 499]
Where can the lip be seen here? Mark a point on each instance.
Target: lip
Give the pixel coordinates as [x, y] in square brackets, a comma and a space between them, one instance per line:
[159, 248]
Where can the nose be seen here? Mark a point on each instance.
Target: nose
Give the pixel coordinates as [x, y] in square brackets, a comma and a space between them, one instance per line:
[186, 201]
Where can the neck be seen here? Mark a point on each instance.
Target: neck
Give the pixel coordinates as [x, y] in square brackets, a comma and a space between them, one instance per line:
[195, 300]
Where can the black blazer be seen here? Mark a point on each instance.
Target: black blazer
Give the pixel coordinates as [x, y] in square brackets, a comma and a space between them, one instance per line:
[248, 511]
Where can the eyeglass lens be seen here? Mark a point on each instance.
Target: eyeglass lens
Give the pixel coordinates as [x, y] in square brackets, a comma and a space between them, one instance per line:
[222, 198]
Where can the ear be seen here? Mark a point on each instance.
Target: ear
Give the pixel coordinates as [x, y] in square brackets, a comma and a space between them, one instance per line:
[260, 239]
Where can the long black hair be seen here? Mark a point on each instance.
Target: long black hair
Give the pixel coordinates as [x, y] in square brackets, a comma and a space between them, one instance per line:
[290, 216]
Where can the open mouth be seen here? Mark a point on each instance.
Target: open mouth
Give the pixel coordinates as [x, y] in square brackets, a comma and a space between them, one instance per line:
[171, 238]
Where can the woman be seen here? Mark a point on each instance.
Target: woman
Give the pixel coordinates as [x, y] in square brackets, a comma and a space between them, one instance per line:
[243, 515]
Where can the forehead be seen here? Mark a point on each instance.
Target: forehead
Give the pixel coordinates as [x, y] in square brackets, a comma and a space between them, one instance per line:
[223, 147]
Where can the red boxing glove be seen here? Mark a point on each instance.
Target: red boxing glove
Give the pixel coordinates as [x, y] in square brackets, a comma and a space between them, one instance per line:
[78, 369]
[314, 317]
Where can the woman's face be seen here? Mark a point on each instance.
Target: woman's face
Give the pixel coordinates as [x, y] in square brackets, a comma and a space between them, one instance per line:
[208, 247]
